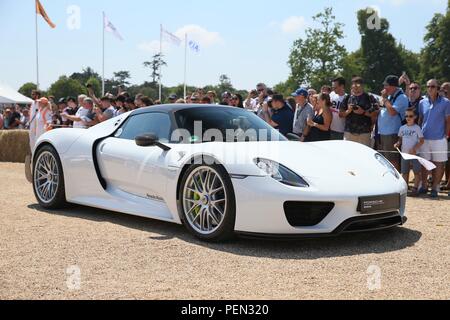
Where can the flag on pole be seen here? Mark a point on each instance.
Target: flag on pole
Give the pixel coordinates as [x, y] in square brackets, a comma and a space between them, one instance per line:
[40, 10]
[109, 27]
[194, 46]
[170, 36]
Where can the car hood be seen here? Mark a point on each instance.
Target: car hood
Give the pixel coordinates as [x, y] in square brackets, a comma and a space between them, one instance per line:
[329, 164]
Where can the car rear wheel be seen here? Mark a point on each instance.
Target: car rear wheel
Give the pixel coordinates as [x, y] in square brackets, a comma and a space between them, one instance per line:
[207, 203]
[48, 179]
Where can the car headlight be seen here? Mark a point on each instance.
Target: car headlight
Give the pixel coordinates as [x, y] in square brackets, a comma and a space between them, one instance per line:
[281, 173]
[387, 164]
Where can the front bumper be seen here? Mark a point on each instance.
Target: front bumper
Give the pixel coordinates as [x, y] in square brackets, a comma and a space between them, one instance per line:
[260, 208]
[352, 225]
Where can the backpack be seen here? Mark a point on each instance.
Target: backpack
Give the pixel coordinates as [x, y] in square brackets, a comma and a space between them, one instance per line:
[399, 93]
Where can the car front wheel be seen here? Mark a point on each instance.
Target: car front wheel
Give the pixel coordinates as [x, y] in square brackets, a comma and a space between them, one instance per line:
[207, 203]
[48, 179]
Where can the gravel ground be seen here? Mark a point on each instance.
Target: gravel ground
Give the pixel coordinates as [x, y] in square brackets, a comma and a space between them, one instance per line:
[83, 253]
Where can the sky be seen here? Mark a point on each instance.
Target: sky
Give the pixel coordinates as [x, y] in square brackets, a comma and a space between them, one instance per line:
[248, 40]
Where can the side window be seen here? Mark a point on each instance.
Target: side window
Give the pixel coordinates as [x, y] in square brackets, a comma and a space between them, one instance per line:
[157, 123]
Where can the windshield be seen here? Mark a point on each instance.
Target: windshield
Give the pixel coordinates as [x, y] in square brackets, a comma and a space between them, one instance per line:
[222, 124]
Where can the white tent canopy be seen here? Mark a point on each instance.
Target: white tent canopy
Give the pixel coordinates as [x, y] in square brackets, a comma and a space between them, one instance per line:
[9, 96]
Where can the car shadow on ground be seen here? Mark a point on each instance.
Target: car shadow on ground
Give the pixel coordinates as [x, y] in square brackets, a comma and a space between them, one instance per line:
[305, 249]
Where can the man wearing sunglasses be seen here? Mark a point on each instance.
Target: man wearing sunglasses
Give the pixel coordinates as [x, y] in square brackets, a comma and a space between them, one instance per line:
[435, 122]
[415, 96]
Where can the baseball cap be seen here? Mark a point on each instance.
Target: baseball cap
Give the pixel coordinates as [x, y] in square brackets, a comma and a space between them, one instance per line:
[62, 100]
[300, 92]
[391, 81]
[173, 97]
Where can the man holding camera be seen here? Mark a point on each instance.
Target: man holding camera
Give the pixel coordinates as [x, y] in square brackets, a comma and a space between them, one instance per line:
[106, 111]
[358, 110]
[392, 114]
[84, 117]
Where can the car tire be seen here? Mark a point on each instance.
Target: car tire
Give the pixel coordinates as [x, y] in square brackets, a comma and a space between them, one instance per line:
[47, 170]
[225, 229]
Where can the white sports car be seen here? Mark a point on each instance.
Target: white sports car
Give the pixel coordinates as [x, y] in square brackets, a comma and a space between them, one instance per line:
[219, 171]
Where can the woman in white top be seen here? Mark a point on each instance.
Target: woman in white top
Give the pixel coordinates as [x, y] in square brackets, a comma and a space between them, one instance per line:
[41, 119]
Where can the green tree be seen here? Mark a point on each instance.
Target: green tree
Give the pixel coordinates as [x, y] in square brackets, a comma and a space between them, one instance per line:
[155, 65]
[86, 74]
[380, 53]
[286, 88]
[179, 90]
[26, 89]
[120, 78]
[224, 85]
[435, 57]
[96, 86]
[352, 65]
[411, 60]
[147, 89]
[65, 87]
[319, 57]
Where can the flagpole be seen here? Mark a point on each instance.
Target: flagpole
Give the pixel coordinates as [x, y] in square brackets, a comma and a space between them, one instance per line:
[103, 56]
[37, 50]
[160, 57]
[185, 65]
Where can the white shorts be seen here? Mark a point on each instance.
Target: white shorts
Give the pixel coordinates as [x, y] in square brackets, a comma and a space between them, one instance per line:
[435, 150]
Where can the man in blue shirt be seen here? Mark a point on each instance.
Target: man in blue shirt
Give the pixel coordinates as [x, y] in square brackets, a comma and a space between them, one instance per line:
[435, 121]
[392, 113]
[282, 116]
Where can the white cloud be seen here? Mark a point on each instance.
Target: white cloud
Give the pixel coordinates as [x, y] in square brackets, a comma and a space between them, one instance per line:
[202, 36]
[293, 24]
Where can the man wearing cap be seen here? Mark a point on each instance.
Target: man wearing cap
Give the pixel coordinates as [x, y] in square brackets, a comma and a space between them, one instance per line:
[303, 111]
[394, 104]
[41, 120]
[173, 98]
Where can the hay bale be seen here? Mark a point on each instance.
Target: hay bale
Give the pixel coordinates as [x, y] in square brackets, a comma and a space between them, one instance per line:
[14, 145]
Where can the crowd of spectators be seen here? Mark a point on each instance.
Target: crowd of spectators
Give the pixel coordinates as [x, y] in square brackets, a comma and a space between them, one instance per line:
[409, 119]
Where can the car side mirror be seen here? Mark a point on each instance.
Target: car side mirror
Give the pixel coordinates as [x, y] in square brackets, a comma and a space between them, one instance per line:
[150, 140]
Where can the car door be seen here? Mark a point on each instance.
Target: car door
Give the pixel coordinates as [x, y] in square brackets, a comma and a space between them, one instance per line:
[126, 167]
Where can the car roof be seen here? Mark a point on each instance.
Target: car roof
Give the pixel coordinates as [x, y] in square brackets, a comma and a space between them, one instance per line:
[171, 108]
